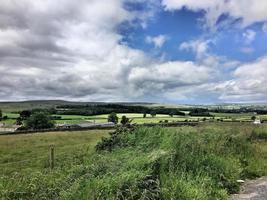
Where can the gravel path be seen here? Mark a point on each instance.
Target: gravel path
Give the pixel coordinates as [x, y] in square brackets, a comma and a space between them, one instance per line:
[253, 190]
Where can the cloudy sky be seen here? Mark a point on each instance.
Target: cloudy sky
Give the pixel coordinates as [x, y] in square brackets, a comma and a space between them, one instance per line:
[172, 51]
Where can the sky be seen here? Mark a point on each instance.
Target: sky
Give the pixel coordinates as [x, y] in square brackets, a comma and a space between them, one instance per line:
[166, 51]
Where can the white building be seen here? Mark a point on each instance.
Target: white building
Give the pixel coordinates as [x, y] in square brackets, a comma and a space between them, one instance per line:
[257, 121]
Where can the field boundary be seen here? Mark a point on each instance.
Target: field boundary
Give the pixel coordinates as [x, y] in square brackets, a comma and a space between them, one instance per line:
[164, 124]
[169, 124]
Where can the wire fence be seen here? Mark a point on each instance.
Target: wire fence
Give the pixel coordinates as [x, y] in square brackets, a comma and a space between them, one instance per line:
[66, 153]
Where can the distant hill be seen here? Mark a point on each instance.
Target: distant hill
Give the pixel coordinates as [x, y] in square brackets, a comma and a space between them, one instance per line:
[25, 105]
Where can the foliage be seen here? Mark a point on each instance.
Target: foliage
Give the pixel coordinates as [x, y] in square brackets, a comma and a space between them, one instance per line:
[39, 120]
[25, 114]
[153, 113]
[124, 120]
[99, 109]
[112, 117]
[200, 112]
[1, 114]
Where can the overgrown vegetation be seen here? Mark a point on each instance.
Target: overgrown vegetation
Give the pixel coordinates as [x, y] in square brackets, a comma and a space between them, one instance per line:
[112, 117]
[200, 163]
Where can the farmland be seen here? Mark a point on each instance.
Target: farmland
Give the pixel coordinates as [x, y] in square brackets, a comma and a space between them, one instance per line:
[77, 112]
[139, 119]
[129, 164]
[31, 151]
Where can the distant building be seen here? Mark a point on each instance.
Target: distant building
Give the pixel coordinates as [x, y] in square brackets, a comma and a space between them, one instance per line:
[86, 125]
[93, 124]
[68, 126]
[257, 121]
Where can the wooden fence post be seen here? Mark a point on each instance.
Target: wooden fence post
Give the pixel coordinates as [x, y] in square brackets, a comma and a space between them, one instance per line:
[52, 156]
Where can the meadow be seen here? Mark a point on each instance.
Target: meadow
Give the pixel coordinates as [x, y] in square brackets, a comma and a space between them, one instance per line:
[31, 151]
[201, 162]
[138, 118]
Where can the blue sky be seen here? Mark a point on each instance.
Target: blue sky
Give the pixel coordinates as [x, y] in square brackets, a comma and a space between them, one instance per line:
[169, 51]
[183, 25]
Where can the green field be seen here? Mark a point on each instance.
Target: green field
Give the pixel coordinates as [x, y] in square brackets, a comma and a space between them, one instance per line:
[138, 118]
[201, 162]
[30, 152]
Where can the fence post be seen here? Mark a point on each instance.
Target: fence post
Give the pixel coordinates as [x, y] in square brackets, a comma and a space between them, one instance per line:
[52, 156]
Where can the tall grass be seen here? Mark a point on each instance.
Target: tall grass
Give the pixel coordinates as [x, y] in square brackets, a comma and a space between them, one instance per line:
[151, 163]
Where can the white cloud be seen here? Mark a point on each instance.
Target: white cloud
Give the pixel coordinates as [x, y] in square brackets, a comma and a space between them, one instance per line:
[249, 83]
[161, 78]
[68, 50]
[157, 41]
[249, 36]
[73, 51]
[64, 49]
[203, 55]
[249, 11]
[199, 47]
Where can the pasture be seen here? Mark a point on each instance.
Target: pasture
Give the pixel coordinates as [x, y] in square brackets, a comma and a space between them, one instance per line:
[19, 153]
[139, 119]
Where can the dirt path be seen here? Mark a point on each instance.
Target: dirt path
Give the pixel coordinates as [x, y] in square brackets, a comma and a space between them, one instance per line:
[253, 190]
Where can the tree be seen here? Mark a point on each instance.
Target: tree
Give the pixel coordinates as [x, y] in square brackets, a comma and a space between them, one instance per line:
[39, 120]
[19, 121]
[25, 114]
[124, 120]
[112, 117]
[144, 115]
[1, 114]
[153, 113]
[172, 113]
[253, 118]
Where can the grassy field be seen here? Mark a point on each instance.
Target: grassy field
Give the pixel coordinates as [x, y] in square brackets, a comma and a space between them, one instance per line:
[201, 163]
[138, 118]
[19, 153]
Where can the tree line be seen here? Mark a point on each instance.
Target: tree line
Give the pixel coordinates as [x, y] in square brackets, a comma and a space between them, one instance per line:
[88, 110]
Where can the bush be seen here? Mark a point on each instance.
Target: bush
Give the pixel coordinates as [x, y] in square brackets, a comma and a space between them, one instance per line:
[112, 117]
[124, 120]
[39, 120]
